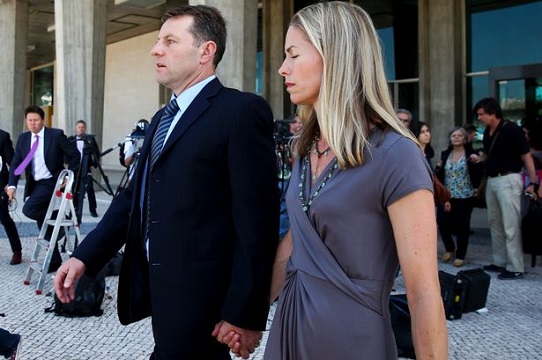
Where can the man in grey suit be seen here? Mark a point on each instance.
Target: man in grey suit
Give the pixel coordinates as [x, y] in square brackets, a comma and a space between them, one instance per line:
[200, 217]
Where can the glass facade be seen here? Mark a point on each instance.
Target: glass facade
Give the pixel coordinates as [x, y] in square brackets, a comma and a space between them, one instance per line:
[504, 36]
[42, 86]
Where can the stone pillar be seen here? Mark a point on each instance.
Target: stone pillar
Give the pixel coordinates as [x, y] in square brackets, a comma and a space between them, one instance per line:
[238, 66]
[442, 65]
[13, 39]
[80, 52]
[276, 16]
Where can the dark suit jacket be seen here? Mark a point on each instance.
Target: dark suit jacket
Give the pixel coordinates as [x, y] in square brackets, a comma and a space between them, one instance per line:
[91, 147]
[6, 152]
[56, 148]
[213, 228]
[476, 170]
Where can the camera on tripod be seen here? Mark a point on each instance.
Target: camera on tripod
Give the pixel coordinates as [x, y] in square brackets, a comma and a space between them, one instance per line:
[282, 134]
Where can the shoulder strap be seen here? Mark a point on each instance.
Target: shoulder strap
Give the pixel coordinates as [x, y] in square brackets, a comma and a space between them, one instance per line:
[496, 135]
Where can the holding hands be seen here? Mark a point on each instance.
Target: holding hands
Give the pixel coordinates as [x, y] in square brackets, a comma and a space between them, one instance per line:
[242, 342]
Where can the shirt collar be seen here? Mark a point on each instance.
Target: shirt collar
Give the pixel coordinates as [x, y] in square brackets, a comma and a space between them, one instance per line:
[185, 98]
[41, 134]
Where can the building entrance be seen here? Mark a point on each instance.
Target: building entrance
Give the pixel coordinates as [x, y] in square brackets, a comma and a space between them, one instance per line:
[519, 90]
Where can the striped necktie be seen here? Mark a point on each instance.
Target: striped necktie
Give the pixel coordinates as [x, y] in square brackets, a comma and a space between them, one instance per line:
[156, 149]
[163, 128]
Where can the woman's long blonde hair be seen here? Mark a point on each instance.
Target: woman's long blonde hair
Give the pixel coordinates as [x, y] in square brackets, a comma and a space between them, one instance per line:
[354, 95]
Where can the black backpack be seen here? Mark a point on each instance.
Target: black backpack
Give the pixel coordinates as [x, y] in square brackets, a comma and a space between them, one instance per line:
[89, 295]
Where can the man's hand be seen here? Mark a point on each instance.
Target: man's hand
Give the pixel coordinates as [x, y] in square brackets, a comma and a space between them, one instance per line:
[66, 277]
[242, 342]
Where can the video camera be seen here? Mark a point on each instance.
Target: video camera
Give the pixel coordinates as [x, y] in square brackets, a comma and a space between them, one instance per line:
[282, 131]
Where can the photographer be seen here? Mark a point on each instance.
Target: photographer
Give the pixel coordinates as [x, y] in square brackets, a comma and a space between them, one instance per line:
[87, 143]
[132, 145]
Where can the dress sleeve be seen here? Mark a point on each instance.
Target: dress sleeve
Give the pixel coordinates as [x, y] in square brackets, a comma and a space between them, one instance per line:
[404, 170]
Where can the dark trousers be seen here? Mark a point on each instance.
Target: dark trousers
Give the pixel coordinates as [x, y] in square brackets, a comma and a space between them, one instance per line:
[9, 225]
[91, 196]
[7, 342]
[456, 221]
[36, 207]
[89, 191]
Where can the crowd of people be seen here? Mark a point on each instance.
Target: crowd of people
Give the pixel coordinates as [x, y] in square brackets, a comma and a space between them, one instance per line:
[196, 219]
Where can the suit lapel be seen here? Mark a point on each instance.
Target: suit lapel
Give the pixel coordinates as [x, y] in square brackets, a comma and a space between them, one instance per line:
[192, 113]
[46, 143]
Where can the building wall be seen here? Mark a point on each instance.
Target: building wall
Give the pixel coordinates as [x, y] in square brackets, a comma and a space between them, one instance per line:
[131, 91]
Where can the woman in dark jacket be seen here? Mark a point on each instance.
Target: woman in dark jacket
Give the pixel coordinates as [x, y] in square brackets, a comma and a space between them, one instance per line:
[422, 132]
[461, 177]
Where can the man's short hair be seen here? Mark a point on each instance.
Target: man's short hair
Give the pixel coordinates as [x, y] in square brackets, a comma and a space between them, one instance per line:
[469, 127]
[405, 111]
[34, 109]
[490, 106]
[208, 25]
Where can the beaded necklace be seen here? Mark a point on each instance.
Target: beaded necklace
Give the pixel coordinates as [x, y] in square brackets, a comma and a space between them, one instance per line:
[319, 154]
[306, 203]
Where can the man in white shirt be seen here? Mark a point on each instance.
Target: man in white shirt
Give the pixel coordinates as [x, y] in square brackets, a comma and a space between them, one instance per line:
[49, 149]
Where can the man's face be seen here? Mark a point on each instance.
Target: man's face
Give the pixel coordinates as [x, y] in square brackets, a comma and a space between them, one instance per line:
[177, 54]
[80, 129]
[404, 118]
[34, 122]
[485, 118]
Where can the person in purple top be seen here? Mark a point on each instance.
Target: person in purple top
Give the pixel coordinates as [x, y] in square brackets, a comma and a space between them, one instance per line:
[360, 203]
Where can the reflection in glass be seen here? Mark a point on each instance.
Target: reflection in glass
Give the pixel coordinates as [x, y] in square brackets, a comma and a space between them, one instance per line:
[511, 95]
[42, 86]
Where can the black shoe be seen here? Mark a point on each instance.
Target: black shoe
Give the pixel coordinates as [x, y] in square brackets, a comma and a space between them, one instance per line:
[94, 214]
[510, 275]
[494, 268]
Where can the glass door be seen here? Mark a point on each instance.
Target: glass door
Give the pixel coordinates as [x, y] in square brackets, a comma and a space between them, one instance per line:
[518, 90]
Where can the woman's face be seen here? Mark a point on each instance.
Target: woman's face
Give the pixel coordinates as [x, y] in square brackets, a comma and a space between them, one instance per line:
[425, 135]
[457, 138]
[302, 68]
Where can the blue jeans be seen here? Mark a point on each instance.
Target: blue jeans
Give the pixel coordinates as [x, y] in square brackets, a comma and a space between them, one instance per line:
[284, 224]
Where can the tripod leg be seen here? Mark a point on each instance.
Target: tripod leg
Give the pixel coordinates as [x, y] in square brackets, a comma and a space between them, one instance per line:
[123, 181]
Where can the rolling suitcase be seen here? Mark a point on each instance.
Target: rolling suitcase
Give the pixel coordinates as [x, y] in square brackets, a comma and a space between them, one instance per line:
[477, 283]
[454, 293]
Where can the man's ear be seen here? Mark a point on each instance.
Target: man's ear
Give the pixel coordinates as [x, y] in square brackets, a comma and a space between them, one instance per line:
[208, 50]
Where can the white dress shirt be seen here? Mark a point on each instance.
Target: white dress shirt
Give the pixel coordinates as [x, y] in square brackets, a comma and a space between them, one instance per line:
[39, 169]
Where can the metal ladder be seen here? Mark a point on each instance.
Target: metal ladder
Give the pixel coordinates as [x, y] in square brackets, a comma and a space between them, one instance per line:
[61, 200]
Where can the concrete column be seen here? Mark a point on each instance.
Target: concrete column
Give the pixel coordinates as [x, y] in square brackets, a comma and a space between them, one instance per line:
[276, 16]
[80, 52]
[441, 28]
[13, 39]
[238, 66]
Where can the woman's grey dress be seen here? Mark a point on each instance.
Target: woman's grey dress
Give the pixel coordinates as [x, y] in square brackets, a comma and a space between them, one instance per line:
[334, 303]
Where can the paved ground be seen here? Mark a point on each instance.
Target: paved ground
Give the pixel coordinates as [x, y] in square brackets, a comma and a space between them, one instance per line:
[510, 329]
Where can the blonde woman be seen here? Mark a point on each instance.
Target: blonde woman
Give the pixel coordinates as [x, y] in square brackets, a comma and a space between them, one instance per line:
[360, 203]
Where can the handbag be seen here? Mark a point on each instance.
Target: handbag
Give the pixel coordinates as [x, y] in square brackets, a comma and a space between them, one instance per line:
[440, 192]
[480, 194]
[401, 324]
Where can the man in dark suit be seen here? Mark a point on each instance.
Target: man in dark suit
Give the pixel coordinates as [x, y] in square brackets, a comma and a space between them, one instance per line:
[42, 171]
[200, 217]
[6, 155]
[88, 148]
